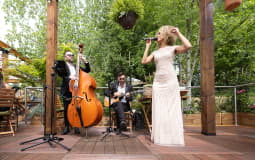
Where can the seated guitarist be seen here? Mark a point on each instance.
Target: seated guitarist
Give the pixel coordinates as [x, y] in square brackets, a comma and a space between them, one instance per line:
[123, 91]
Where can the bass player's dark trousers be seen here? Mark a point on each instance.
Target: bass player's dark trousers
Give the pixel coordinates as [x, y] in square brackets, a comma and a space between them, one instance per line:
[66, 103]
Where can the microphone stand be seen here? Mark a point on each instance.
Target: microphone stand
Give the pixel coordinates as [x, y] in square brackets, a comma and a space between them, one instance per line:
[108, 129]
[48, 138]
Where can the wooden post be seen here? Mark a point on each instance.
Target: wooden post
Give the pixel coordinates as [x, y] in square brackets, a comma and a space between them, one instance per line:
[5, 65]
[207, 67]
[52, 19]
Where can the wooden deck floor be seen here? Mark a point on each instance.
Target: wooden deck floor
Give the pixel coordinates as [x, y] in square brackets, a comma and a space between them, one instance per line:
[230, 143]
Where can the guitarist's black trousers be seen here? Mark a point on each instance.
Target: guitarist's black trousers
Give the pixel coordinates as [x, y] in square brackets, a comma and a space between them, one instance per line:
[120, 108]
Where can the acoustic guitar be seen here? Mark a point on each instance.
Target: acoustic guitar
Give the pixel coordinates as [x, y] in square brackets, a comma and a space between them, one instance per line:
[113, 100]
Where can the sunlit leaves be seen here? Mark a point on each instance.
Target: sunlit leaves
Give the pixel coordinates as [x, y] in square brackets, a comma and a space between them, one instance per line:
[110, 49]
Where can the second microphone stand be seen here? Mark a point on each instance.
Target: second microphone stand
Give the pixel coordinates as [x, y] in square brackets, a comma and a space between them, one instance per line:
[48, 138]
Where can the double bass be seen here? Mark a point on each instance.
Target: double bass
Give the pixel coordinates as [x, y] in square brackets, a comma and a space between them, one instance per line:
[84, 110]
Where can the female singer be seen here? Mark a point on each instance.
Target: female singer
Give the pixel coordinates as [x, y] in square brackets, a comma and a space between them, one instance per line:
[167, 122]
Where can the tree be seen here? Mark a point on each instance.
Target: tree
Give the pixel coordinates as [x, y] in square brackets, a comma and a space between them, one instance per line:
[234, 45]
[111, 49]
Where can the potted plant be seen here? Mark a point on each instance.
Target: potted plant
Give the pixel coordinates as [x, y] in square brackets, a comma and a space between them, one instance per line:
[126, 12]
[147, 88]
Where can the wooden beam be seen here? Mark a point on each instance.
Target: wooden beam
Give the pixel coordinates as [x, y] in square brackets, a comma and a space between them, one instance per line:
[52, 22]
[13, 81]
[17, 54]
[207, 67]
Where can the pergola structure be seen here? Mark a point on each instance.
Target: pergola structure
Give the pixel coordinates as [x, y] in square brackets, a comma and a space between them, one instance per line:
[4, 46]
[206, 60]
[6, 49]
[207, 68]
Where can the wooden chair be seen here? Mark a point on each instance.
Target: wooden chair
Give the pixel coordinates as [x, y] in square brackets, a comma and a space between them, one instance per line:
[128, 114]
[7, 97]
[59, 107]
[129, 120]
[19, 108]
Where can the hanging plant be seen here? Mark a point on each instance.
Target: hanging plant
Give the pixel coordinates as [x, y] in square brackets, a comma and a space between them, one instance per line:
[232, 4]
[126, 12]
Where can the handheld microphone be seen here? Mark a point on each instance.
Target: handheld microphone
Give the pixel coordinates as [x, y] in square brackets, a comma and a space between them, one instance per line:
[151, 38]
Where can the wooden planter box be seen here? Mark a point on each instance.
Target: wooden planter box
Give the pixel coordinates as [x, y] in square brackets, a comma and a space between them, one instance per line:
[36, 120]
[60, 125]
[192, 119]
[221, 119]
[246, 119]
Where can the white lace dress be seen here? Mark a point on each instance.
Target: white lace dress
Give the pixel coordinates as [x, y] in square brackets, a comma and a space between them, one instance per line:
[167, 122]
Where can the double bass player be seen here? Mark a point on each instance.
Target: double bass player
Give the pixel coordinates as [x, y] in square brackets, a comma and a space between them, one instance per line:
[66, 70]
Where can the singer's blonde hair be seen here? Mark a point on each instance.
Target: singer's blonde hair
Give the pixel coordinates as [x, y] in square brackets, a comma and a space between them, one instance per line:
[168, 36]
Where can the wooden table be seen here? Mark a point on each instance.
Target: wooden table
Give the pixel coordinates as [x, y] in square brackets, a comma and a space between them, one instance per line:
[19, 103]
[30, 102]
[146, 107]
[23, 105]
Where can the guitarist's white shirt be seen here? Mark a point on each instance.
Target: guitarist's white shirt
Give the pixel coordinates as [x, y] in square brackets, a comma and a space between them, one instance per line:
[123, 92]
[72, 70]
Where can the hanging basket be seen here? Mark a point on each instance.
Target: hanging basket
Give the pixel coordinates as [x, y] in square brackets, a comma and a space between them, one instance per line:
[232, 4]
[128, 20]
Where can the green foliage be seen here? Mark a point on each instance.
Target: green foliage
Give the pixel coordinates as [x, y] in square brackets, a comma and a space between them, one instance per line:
[27, 73]
[234, 45]
[37, 110]
[149, 79]
[194, 107]
[242, 102]
[28, 26]
[120, 8]
[246, 99]
[63, 48]
[108, 47]
[135, 104]
[40, 68]
[34, 73]
[224, 100]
